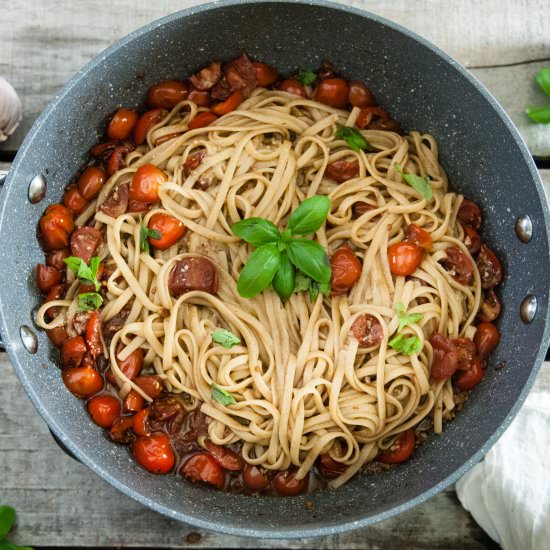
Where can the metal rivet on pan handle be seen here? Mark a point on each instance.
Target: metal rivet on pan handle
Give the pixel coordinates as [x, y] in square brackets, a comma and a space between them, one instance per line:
[524, 228]
[28, 337]
[37, 188]
[528, 308]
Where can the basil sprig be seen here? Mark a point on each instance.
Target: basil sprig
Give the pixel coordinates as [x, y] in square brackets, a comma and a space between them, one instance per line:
[144, 234]
[277, 256]
[306, 76]
[421, 184]
[406, 345]
[405, 318]
[89, 301]
[223, 397]
[225, 338]
[354, 138]
[541, 114]
[85, 273]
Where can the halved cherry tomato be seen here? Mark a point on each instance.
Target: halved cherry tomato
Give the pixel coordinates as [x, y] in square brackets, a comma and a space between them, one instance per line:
[55, 293]
[459, 265]
[138, 206]
[73, 200]
[469, 213]
[93, 335]
[130, 367]
[56, 226]
[286, 484]
[146, 182]
[342, 170]
[490, 307]
[230, 104]
[170, 228]
[265, 75]
[47, 277]
[154, 453]
[490, 268]
[293, 86]
[73, 351]
[104, 410]
[367, 115]
[400, 450]
[418, 236]
[203, 467]
[361, 207]
[225, 457]
[360, 95]
[122, 124]
[255, 478]
[57, 336]
[116, 160]
[346, 270]
[146, 122]
[200, 97]
[486, 339]
[167, 94]
[133, 402]
[472, 240]
[55, 259]
[151, 385]
[404, 258]
[121, 430]
[103, 150]
[333, 92]
[328, 467]
[140, 423]
[82, 381]
[202, 120]
[91, 181]
[466, 380]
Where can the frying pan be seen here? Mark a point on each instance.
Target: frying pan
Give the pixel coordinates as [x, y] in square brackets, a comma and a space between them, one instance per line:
[423, 88]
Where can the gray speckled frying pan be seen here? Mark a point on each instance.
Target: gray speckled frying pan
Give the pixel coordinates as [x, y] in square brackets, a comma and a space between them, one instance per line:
[422, 87]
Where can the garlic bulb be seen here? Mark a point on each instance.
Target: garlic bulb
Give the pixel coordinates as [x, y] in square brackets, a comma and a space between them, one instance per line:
[10, 109]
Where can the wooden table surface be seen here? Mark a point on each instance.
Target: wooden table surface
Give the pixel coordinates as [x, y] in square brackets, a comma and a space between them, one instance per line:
[60, 503]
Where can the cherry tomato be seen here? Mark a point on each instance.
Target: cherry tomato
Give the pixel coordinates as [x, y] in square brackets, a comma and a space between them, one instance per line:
[490, 268]
[255, 478]
[472, 240]
[104, 410]
[286, 484]
[225, 457]
[203, 467]
[400, 450]
[486, 339]
[329, 468]
[73, 200]
[466, 380]
[360, 95]
[265, 75]
[368, 330]
[133, 402]
[346, 270]
[200, 97]
[146, 182]
[93, 334]
[469, 213]
[140, 423]
[203, 119]
[151, 385]
[490, 307]
[130, 367]
[146, 122]
[138, 206]
[342, 170]
[170, 228]
[57, 336]
[404, 258]
[368, 114]
[82, 381]
[459, 265]
[55, 259]
[73, 351]
[103, 150]
[230, 104]
[167, 94]
[47, 277]
[154, 453]
[418, 236]
[361, 207]
[117, 159]
[91, 181]
[56, 225]
[333, 92]
[55, 293]
[121, 430]
[293, 86]
[122, 124]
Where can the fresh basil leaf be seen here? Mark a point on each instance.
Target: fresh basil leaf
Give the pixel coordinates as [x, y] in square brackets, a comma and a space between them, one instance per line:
[306, 76]
[145, 234]
[354, 138]
[89, 301]
[259, 271]
[316, 288]
[6, 545]
[222, 396]
[285, 279]
[303, 282]
[539, 114]
[543, 80]
[406, 318]
[406, 345]
[225, 338]
[7, 519]
[310, 215]
[311, 258]
[256, 231]
[82, 271]
[421, 184]
[94, 266]
[286, 237]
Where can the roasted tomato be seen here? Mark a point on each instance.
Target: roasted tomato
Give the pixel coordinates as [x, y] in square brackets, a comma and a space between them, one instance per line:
[418, 236]
[122, 124]
[55, 293]
[472, 240]
[93, 334]
[116, 203]
[117, 159]
[293, 86]
[459, 265]
[193, 273]
[146, 182]
[47, 277]
[121, 430]
[200, 97]
[286, 484]
[151, 385]
[368, 330]
[154, 453]
[486, 339]
[133, 402]
[104, 410]
[466, 380]
[490, 307]
[203, 467]
[203, 119]
[130, 367]
[346, 270]
[73, 200]
[73, 351]
[342, 170]
[328, 467]
[255, 478]
[57, 336]
[265, 75]
[469, 213]
[490, 269]
[82, 381]
[230, 104]
[375, 117]
[400, 450]
[450, 355]
[146, 122]
[85, 241]
[170, 229]
[361, 207]
[225, 457]
[55, 259]
[404, 258]
[140, 423]
[360, 95]
[167, 94]
[333, 92]
[56, 225]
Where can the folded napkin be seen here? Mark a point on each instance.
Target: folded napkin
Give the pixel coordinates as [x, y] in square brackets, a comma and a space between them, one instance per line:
[508, 493]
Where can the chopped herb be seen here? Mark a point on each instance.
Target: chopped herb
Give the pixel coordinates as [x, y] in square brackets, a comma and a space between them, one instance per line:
[222, 396]
[306, 76]
[225, 338]
[421, 184]
[144, 234]
[406, 318]
[89, 301]
[354, 138]
[84, 272]
[406, 345]
[539, 114]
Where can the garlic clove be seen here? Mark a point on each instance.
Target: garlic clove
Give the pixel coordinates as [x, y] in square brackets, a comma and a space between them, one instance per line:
[10, 109]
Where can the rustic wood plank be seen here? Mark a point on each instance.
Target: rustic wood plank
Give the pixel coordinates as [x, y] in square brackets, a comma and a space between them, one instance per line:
[42, 48]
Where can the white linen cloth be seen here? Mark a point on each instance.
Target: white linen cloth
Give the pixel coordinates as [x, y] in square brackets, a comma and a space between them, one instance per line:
[508, 493]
